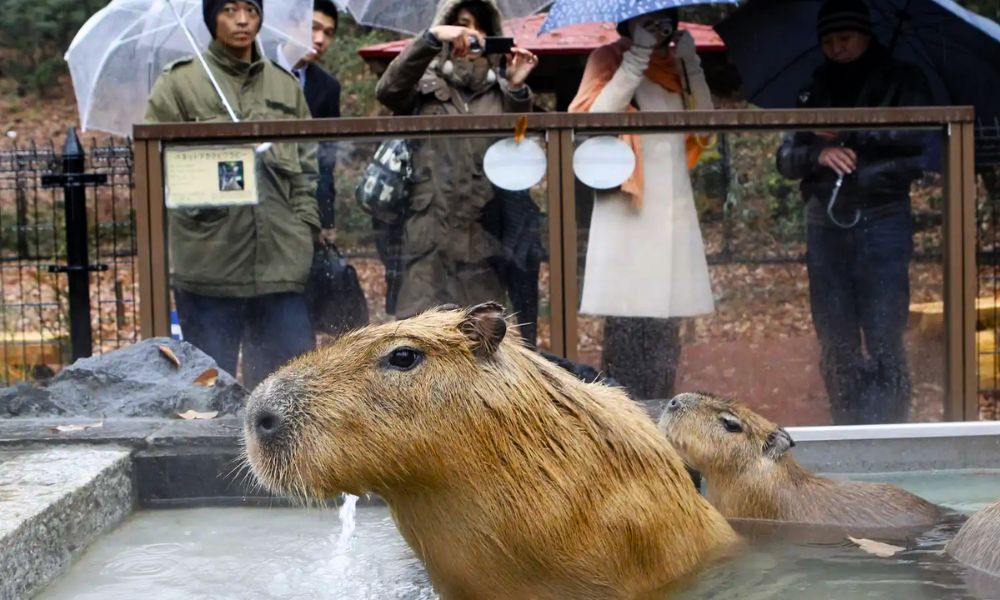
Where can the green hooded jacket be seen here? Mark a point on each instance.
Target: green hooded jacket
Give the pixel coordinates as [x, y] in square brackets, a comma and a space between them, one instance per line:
[245, 251]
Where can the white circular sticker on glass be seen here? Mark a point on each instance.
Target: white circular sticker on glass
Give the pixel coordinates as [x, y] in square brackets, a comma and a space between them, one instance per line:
[513, 166]
[603, 162]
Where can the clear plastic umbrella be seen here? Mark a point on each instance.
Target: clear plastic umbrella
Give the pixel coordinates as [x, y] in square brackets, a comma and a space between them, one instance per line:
[413, 16]
[120, 51]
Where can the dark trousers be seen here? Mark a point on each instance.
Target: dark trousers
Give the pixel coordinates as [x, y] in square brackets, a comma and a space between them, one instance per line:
[273, 329]
[642, 354]
[859, 288]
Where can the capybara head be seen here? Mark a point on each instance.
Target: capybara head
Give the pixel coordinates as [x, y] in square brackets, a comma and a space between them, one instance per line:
[372, 408]
[715, 435]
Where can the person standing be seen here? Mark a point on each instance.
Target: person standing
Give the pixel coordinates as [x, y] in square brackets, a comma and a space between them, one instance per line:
[856, 186]
[645, 236]
[238, 272]
[447, 256]
[322, 90]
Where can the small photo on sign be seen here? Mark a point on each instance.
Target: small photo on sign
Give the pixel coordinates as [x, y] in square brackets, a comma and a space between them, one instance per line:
[231, 176]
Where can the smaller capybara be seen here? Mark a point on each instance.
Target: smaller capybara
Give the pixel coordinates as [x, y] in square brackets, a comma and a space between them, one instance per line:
[506, 475]
[977, 544]
[751, 475]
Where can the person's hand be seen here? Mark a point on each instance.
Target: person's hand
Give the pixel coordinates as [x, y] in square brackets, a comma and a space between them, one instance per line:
[826, 135]
[684, 46]
[328, 236]
[842, 160]
[644, 33]
[520, 64]
[458, 37]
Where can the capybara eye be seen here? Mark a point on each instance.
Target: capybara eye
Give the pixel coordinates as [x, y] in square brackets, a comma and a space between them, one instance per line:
[404, 359]
[731, 424]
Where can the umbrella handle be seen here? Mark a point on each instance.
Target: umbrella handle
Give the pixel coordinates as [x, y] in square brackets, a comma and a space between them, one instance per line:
[833, 200]
[201, 59]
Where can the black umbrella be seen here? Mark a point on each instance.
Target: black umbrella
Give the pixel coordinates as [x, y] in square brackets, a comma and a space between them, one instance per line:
[774, 45]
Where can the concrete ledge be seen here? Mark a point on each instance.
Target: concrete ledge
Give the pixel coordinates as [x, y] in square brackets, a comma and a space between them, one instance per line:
[137, 433]
[53, 503]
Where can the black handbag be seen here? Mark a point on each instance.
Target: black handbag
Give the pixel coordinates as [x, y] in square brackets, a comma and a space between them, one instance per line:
[385, 181]
[333, 293]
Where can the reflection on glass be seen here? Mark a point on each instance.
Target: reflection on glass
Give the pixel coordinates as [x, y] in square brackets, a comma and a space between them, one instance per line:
[848, 332]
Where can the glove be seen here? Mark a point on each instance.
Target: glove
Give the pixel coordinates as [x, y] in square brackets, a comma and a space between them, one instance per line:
[641, 37]
[685, 48]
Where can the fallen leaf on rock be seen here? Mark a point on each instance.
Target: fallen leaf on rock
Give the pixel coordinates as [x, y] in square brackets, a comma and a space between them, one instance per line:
[75, 427]
[192, 415]
[207, 378]
[169, 354]
[877, 548]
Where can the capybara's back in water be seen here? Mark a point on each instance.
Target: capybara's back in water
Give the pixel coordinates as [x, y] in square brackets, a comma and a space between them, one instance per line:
[507, 476]
[978, 542]
[751, 474]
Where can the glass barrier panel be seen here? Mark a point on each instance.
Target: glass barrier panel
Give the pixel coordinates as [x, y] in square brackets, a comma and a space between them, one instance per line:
[988, 279]
[720, 278]
[259, 247]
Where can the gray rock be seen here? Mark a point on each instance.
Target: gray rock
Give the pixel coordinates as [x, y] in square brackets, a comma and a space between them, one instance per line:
[134, 381]
[26, 400]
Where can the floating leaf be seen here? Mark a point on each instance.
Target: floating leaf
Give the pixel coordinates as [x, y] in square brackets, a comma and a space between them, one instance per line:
[75, 427]
[207, 378]
[169, 354]
[520, 128]
[880, 549]
[192, 415]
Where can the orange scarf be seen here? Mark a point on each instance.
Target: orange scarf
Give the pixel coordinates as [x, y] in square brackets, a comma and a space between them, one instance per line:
[662, 69]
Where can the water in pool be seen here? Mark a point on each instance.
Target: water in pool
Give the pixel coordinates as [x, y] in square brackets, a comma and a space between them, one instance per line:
[248, 553]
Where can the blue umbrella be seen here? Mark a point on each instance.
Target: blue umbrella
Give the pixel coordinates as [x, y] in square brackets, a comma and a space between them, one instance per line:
[774, 46]
[572, 12]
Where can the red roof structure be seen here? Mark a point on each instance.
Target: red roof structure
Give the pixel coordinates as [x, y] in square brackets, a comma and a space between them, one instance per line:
[571, 40]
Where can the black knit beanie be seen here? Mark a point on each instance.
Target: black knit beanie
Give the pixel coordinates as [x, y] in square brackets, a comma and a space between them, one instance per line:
[210, 10]
[843, 15]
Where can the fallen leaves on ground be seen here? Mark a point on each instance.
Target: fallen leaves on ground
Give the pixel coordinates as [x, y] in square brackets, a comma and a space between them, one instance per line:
[207, 378]
[75, 427]
[193, 415]
[169, 354]
[880, 549]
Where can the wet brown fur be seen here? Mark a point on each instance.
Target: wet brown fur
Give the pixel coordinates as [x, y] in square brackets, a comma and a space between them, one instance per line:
[750, 474]
[507, 476]
[978, 542]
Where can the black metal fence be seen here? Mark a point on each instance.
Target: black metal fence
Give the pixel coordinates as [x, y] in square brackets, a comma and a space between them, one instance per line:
[36, 302]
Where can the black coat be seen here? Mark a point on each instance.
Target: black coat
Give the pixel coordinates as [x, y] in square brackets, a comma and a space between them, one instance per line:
[888, 160]
[322, 91]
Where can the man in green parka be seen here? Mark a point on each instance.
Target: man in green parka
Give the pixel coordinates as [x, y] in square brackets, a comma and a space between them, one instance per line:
[239, 272]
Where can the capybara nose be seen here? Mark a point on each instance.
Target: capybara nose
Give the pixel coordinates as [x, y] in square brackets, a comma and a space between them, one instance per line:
[674, 404]
[267, 425]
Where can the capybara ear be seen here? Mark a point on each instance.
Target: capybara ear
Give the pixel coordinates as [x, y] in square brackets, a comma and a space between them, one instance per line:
[485, 327]
[778, 442]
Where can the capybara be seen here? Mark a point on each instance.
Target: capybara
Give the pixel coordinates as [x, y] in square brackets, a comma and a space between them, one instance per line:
[751, 475]
[978, 542]
[506, 475]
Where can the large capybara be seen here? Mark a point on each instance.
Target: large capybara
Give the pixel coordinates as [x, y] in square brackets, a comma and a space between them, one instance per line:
[506, 475]
[978, 542]
[750, 474]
